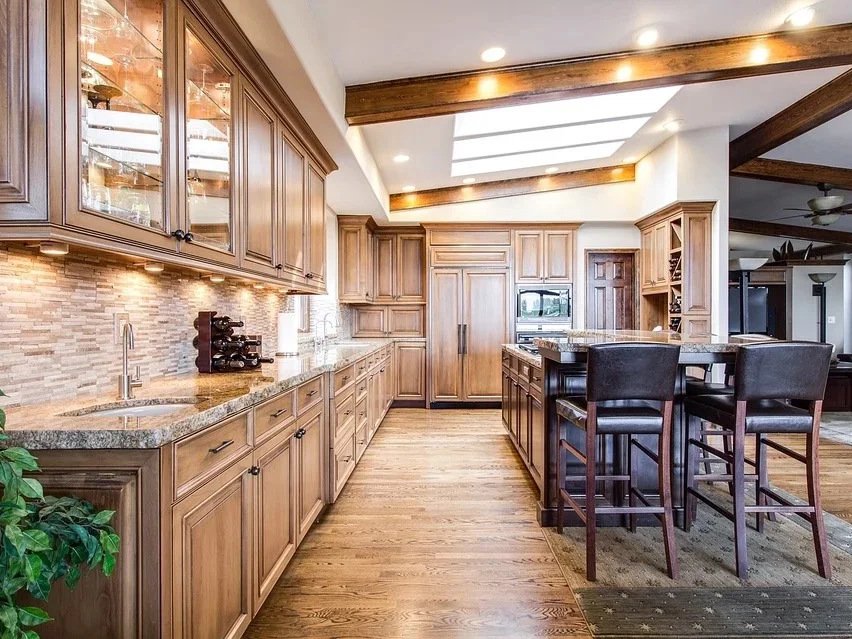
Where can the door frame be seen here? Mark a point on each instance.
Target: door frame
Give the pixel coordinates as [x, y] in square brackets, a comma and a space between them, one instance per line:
[636, 255]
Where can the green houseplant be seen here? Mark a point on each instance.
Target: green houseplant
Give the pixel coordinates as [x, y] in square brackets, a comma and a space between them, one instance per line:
[45, 539]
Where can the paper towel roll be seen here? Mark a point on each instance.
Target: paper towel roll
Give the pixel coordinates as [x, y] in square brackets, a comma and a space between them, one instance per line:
[288, 337]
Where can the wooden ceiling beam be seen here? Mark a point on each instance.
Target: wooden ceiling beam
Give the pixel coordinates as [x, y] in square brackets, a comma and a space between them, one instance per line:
[515, 186]
[795, 173]
[790, 231]
[818, 107]
[692, 62]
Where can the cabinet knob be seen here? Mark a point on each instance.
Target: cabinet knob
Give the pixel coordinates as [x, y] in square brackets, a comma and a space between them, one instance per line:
[310, 276]
[299, 433]
[178, 234]
[254, 470]
[278, 267]
[188, 237]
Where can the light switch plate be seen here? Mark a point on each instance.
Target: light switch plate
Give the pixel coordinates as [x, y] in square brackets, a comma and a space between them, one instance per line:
[830, 319]
[119, 320]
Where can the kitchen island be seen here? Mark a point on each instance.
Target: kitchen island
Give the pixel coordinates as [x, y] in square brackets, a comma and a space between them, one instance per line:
[563, 372]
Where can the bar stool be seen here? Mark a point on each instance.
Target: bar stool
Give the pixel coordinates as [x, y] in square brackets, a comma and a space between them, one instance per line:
[629, 392]
[706, 386]
[769, 377]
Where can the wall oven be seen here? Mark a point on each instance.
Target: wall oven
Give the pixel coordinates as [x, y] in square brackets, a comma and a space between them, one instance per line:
[542, 304]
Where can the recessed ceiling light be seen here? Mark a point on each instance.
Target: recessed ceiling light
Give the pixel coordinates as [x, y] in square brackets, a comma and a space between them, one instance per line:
[759, 54]
[673, 126]
[493, 54]
[551, 170]
[625, 71]
[801, 17]
[538, 158]
[647, 37]
[629, 160]
[259, 286]
[408, 188]
[216, 279]
[595, 108]
[53, 248]
[402, 158]
[469, 180]
[154, 267]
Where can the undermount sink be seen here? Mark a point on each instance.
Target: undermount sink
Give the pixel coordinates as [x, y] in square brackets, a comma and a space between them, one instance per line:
[137, 408]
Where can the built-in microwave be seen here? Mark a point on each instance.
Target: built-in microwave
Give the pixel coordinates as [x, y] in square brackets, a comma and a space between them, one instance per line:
[537, 303]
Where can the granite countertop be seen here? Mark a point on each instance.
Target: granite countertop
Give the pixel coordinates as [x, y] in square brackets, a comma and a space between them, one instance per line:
[213, 397]
[578, 340]
[520, 353]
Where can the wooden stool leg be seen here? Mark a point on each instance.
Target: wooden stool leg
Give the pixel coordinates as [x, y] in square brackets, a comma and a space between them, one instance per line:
[631, 518]
[739, 494]
[690, 501]
[726, 446]
[760, 458]
[708, 467]
[814, 499]
[591, 470]
[664, 468]
[560, 484]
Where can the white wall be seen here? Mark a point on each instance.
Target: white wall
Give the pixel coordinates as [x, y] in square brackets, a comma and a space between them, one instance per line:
[847, 305]
[656, 178]
[598, 236]
[805, 307]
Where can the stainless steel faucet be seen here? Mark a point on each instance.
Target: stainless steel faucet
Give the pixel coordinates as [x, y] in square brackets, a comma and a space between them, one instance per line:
[126, 382]
[324, 323]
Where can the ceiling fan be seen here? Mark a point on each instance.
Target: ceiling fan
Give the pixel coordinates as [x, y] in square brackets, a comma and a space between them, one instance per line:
[823, 210]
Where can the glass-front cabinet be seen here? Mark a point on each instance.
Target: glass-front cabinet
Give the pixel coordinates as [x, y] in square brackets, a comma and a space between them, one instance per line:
[120, 158]
[207, 140]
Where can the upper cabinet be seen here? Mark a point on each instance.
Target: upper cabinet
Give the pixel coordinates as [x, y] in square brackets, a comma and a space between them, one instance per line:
[355, 261]
[177, 141]
[655, 256]
[544, 256]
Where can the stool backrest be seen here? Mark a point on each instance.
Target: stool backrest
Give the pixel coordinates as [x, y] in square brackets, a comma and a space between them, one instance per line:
[782, 370]
[631, 370]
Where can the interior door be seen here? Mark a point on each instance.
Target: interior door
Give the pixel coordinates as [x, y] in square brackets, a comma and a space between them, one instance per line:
[485, 329]
[610, 290]
[445, 335]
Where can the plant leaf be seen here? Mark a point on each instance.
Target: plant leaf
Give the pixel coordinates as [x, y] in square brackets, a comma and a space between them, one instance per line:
[108, 564]
[103, 517]
[36, 540]
[32, 567]
[31, 488]
[8, 616]
[32, 616]
[110, 541]
[16, 538]
[22, 457]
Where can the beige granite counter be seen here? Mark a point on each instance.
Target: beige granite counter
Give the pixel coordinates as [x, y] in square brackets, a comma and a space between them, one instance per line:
[578, 340]
[213, 397]
[520, 353]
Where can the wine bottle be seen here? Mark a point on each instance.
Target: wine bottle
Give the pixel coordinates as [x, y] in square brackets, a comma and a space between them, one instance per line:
[228, 362]
[253, 360]
[224, 323]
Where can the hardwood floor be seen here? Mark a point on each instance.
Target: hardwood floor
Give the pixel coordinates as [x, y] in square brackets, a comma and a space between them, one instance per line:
[434, 536]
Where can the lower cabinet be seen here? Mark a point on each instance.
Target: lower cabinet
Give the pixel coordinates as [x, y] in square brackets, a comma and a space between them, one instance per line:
[410, 371]
[523, 413]
[211, 557]
[310, 453]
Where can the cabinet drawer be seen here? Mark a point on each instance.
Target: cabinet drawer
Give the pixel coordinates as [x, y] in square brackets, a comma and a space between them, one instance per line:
[344, 414]
[201, 456]
[343, 378]
[308, 394]
[361, 389]
[273, 415]
[361, 367]
[465, 256]
[361, 413]
[360, 441]
[344, 462]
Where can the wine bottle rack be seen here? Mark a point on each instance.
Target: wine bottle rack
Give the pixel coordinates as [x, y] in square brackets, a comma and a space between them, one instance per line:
[220, 350]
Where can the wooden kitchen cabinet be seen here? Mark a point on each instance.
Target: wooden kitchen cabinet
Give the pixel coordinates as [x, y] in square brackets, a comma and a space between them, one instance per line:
[655, 256]
[384, 272]
[399, 268]
[310, 471]
[559, 257]
[523, 413]
[356, 248]
[182, 101]
[410, 371]
[388, 321]
[211, 557]
[544, 256]
[529, 256]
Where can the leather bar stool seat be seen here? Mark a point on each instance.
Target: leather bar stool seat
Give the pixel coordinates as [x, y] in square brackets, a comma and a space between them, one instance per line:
[697, 386]
[628, 417]
[762, 416]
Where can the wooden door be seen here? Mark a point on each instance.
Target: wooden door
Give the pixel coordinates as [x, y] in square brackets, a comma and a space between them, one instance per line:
[610, 290]
[661, 253]
[369, 321]
[558, 257]
[274, 523]
[384, 269]
[410, 268]
[258, 183]
[649, 270]
[486, 328]
[310, 464]
[294, 209]
[410, 371]
[536, 440]
[316, 228]
[445, 326]
[211, 557]
[529, 256]
[405, 321]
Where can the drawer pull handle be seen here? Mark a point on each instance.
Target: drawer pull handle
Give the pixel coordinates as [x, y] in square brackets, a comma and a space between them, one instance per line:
[300, 433]
[313, 392]
[362, 414]
[222, 446]
[346, 460]
[382, 370]
[347, 412]
[345, 377]
[278, 413]
[536, 379]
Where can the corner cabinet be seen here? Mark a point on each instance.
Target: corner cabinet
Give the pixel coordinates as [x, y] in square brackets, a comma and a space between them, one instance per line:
[179, 144]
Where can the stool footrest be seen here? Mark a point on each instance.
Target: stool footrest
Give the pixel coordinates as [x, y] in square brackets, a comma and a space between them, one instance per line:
[574, 451]
[787, 451]
[646, 450]
[721, 454]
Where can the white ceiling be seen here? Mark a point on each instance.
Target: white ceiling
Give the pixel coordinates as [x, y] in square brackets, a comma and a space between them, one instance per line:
[829, 144]
[429, 141]
[373, 40]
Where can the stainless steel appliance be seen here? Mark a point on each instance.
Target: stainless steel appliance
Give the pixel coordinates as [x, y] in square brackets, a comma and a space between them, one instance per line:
[542, 304]
[526, 333]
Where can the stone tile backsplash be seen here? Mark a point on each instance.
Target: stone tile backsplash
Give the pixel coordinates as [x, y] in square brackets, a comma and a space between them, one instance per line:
[57, 320]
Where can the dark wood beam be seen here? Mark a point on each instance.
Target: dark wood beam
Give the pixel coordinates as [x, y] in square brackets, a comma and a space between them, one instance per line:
[515, 186]
[818, 107]
[538, 82]
[831, 249]
[795, 173]
[811, 233]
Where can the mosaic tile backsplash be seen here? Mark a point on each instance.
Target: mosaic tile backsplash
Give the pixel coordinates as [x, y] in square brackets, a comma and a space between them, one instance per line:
[57, 320]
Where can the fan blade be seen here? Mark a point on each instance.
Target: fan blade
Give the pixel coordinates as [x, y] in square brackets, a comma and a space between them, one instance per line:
[789, 217]
[789, 209]
[844, 208]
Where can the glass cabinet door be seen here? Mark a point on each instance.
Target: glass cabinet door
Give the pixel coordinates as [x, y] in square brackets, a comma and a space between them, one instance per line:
[208, 135]
[122, 111]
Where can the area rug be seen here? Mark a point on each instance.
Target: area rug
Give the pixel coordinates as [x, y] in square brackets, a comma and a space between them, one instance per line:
[836, 427]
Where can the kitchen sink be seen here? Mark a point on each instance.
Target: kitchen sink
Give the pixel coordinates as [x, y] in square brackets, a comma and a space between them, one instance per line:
[133, 408]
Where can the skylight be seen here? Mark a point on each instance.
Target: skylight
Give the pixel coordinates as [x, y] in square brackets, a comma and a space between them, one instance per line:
[557, 132]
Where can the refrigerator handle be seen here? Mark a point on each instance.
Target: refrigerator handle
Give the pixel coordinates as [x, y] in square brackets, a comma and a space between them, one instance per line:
[459, 339]
[464, 339]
